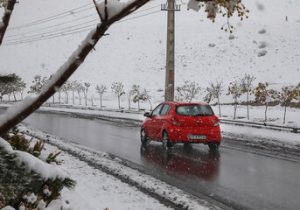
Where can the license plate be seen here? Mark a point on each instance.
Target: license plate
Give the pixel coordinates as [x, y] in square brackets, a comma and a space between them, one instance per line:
[197, 137]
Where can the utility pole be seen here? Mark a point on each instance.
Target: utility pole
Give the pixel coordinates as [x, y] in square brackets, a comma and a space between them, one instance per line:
[171, 7]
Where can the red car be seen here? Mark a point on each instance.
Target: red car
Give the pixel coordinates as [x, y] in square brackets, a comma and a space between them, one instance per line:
[177, 122]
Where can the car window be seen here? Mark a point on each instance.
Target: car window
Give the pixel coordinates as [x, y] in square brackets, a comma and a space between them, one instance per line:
[165, 109]
[156, 111]
[194, 110]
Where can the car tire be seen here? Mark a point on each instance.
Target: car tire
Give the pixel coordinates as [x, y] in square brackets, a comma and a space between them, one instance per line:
[213, 146]
[144, 137]
[166, 141]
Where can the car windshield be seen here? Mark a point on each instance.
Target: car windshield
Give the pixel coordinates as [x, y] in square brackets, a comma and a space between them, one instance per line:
[194, 110]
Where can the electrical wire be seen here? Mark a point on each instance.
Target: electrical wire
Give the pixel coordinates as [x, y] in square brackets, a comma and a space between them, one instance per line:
[54, 17]
[45, 29]
[67, 32]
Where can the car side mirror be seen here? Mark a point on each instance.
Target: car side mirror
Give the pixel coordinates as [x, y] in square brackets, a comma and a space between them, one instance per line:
[147, 114]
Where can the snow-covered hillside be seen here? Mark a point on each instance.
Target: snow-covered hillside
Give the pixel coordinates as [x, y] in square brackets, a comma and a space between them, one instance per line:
[134, 50]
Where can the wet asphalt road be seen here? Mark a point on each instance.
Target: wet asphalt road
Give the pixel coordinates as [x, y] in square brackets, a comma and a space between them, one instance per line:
[240, 179]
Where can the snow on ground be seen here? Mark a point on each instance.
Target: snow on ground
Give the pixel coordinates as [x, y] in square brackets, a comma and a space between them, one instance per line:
[98, 190]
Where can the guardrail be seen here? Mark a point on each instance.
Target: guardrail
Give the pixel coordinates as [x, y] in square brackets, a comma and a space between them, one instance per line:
[261, 125]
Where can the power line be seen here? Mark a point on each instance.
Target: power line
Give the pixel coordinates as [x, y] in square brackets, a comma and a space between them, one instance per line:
[65, 14]
[51, 26]
[68, 32]
[59, 24]
[56, 31]
[54, 17]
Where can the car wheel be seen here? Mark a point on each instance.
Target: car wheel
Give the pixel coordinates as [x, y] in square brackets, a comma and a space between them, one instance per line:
[166, 141]
[213, 146]
[144, 137]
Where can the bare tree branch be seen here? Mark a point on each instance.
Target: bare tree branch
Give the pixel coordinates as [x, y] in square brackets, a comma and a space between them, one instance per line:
[66, 70]
[6, 17]
[99, 14]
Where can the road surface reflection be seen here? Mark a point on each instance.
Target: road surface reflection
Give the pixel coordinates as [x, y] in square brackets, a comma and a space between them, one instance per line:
[183, 160]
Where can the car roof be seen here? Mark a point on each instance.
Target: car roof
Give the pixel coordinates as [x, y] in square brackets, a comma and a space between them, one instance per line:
[177, 103]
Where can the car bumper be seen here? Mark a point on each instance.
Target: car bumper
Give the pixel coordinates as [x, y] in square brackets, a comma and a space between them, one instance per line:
[195, 135]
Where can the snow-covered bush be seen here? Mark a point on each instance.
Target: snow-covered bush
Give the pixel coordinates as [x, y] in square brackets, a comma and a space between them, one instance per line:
[29, 182]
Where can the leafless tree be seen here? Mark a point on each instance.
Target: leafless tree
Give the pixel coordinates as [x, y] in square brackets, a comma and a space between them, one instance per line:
[101, 90]
[79, 89]
[214, 91]
[86, 86]
[118, 90]
[235, 90]
[247, 86]
[188, 91]
[136, 93]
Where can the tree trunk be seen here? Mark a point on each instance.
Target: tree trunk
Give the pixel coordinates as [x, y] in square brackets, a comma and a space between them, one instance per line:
[59, 96]
[21, 95]
[248, 117]
[119, 102]
[129, 100]
[284, 115]
[67, 97]
[53, 99]
[85, 99]
[79, 97]
[100, 100]
[73, 97]
[71, 65]
[266, 112]
[220, 114]
[14, 94]
[235, 108]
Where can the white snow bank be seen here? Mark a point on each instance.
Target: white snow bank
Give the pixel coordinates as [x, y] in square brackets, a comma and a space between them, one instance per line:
[45, 170]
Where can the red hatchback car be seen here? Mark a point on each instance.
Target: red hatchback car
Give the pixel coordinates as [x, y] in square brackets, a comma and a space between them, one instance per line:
[177, 122]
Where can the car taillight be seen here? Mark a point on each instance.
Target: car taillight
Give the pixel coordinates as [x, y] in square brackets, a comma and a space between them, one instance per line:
[216, 122]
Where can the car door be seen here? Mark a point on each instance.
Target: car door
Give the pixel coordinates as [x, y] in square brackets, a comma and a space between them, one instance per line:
[151, 127]
[162, 121]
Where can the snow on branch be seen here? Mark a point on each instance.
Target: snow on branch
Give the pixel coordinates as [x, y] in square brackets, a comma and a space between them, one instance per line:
[112, 7]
